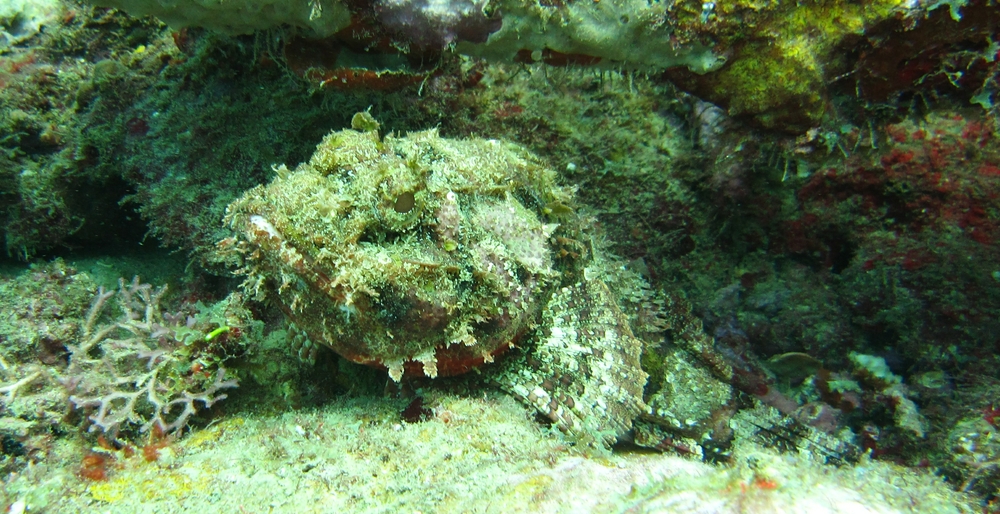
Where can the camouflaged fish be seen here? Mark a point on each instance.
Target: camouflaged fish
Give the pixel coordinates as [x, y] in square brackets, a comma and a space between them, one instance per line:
[430, 256]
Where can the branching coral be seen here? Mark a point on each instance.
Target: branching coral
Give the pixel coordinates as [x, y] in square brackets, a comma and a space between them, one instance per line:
[130, 371]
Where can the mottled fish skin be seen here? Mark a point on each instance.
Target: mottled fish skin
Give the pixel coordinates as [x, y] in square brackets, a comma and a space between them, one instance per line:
[418, 254]
[584, 371]
[429, 256]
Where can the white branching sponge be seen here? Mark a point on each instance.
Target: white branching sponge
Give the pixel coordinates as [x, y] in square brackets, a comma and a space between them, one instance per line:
[136, 370]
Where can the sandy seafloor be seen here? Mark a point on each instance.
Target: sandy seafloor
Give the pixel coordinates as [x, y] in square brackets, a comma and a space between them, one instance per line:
[474, 454]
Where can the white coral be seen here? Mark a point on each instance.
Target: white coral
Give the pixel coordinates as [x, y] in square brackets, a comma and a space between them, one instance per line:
[121, 371]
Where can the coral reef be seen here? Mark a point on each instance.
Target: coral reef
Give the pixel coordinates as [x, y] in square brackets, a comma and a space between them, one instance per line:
[748, 57]
[85, 104]
[830, 294]
[910, 235]
[55, 90]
